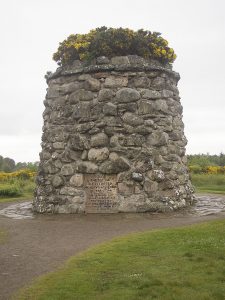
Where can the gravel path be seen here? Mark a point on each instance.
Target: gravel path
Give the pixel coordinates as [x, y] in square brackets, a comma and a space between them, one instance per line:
[39, 244]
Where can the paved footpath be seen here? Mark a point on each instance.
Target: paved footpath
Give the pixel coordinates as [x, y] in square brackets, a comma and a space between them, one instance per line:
[35, 246]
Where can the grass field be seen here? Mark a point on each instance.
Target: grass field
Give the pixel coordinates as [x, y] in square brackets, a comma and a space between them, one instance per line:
[209, 183]
[14, 189]
[180, 264]
[24, 197]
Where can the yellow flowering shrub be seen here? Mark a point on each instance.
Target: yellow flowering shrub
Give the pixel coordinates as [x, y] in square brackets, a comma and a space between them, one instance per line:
[21, 174]
[17, 183]
[110, 42]
[196, 169]
[215, 170]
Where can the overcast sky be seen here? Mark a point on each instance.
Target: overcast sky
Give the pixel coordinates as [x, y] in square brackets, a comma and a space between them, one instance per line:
[30, 31]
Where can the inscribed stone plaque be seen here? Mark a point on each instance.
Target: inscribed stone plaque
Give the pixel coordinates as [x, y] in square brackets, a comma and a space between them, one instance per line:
[101, 193]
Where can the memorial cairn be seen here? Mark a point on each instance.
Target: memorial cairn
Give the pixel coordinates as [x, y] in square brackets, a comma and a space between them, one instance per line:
[113, 137]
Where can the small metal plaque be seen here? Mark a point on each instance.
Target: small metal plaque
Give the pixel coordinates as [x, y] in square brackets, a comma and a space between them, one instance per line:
[101, 191]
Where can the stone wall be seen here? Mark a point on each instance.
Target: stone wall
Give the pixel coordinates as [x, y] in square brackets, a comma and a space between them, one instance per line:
[113, 139]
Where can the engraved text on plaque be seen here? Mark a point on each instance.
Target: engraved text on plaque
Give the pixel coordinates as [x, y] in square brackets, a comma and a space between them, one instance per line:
[101, 193]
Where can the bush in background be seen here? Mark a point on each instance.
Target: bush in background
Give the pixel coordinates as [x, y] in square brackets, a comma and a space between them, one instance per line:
[10, 191]
[196, 169]
[205, 160]
[17, 183]
[206, 163]
[21, 174]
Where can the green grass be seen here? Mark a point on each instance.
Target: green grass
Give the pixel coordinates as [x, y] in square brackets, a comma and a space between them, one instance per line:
[10, 190]
[209, 183]
[24, 197]
[16, 189]
[171, 264]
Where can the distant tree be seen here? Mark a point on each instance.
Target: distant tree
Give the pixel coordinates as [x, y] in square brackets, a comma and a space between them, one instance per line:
[222, 159]
[27, 165]
[8, 164]
[33, 166]
[21, 165]
[1, 162]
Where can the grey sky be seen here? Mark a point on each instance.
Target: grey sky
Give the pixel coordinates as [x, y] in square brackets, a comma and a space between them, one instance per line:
[31, 30]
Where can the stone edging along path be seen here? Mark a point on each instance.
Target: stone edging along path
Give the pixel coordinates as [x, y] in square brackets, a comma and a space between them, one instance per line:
[39, 244]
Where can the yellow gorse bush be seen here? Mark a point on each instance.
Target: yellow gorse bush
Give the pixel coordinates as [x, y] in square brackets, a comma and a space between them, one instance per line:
[215, 170]
[207, 170]
[23, 174]
[110, 42]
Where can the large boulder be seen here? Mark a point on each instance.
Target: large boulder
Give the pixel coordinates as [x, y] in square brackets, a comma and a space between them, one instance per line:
[127, 95]
[119, 164]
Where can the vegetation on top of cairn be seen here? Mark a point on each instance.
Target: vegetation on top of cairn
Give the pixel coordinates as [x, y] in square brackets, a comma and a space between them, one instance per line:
[111, 42]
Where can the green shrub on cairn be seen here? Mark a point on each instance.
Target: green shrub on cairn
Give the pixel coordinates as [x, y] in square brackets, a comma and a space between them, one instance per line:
[111, 42]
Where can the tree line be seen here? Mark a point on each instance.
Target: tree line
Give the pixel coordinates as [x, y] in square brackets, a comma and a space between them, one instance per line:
[9, 165]
[205, 160]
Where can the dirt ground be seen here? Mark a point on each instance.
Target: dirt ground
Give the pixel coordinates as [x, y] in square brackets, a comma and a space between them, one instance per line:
[42, 244]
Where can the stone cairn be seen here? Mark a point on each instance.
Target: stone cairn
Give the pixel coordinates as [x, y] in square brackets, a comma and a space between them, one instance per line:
[113, 139]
